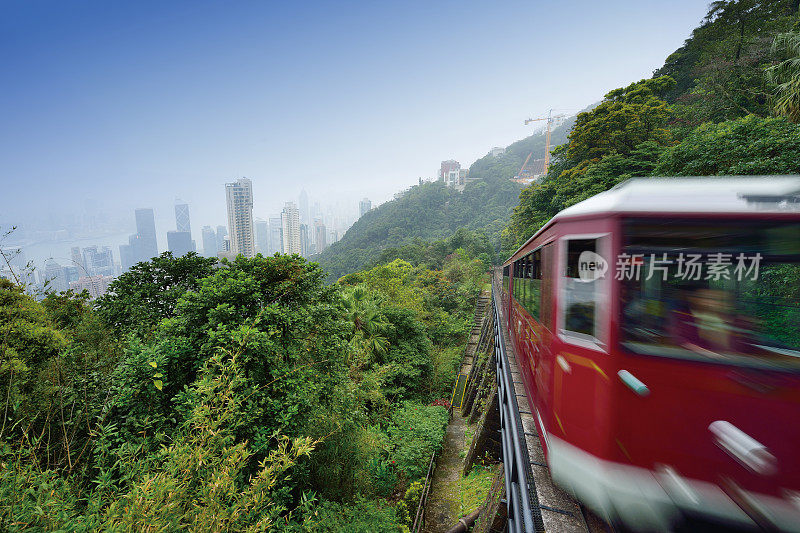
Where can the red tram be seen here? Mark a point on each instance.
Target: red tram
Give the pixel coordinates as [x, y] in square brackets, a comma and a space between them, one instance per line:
[657, 328]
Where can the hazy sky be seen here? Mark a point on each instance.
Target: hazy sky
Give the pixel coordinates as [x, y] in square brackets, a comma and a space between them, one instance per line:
[137, 103]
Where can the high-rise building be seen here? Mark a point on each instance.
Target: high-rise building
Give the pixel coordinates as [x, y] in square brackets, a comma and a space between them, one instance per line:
[222, 233]
[146, 229]
[95, 285]
[320, 235]
[239, 195]
[55, 276]
[99, 262]
[262, 236]
[182, 222]
[304, 240]
[209, 242]
[305, 214]
[275, 234]
[77, 258]
[364, 206]
[179, 243]
[290, 223]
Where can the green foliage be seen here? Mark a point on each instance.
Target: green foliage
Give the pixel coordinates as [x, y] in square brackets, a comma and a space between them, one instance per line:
[416, 432]
[786, 75]
[750, 145]
[363, 516]
[147, 293]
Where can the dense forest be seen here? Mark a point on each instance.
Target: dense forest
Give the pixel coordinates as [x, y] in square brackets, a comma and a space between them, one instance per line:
[247, 395]
[726, 102]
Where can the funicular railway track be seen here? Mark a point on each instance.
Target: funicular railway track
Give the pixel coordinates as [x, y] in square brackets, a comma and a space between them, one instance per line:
[533, 501]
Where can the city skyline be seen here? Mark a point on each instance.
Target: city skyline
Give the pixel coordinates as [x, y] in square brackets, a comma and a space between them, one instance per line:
[189, 112]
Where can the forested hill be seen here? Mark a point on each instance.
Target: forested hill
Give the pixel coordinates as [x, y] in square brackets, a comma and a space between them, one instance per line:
[726, 102]
[431, 211]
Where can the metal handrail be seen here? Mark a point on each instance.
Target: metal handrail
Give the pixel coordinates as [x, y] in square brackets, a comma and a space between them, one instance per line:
[423, 497]
[520, 515]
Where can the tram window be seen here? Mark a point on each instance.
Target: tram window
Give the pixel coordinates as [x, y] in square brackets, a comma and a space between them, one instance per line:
[546, 291]
[533, 282]
[718, 307]
[580, 297]
[506, 276]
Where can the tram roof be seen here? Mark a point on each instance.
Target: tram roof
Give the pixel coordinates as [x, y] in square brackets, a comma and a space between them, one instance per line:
[716, 194]
[698, 194]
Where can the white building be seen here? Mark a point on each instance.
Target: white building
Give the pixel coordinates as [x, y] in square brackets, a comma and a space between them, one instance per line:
[290, 222]
[96, 285]
[239, 196]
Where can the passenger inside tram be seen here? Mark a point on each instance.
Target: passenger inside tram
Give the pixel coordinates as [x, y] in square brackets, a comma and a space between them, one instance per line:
[749, 317]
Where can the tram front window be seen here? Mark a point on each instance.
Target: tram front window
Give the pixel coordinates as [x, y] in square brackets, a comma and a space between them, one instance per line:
[724, 292]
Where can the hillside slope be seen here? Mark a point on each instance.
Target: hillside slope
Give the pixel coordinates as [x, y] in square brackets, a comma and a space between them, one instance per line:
[427, 211]
[431, 211]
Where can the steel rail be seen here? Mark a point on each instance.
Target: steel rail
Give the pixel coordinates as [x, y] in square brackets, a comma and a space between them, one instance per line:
[518, 506]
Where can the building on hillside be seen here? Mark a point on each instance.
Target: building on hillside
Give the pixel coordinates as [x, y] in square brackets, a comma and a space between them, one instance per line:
[179, 243]
[497, 151]
[239, 200]
[290, 223]
[364, 207]
[453, 175]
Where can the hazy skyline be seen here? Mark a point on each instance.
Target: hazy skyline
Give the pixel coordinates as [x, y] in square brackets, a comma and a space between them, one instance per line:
[137, 104]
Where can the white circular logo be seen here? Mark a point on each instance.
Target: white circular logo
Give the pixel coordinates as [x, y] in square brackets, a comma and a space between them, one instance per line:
[591, 266]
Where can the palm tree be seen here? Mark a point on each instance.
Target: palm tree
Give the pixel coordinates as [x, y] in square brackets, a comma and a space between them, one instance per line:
[786, 75]
[362, 309]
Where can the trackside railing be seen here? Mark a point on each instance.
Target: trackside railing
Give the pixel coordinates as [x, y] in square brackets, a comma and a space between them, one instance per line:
[518, 506]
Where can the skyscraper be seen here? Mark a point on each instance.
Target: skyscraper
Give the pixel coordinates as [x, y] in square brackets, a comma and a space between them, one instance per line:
[275, 234]
[305, 214]
[222, 233]
[239, 195]
[146, 229]
[179, 243]
[77, 258]
[320, 235]
[209, 242]
[262, 236]
[54, 275]
[182, 218]
[290, 223]
[364, 206]
[304, 240]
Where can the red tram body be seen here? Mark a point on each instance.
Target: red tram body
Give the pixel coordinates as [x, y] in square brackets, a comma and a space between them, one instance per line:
[654, 398]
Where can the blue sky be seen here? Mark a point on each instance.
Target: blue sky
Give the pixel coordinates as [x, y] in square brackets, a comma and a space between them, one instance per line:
[137, 103]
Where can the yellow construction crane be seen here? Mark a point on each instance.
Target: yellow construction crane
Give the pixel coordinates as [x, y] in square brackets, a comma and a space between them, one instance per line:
[550, 118]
